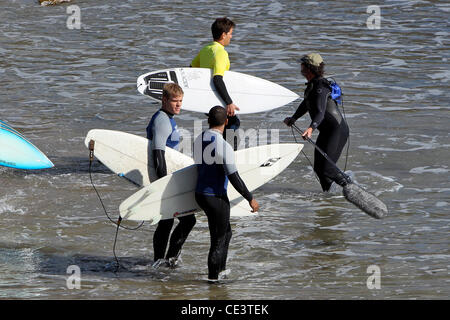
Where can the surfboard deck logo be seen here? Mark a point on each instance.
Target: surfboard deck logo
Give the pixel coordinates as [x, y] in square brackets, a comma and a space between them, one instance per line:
[270, 162]
[8, 163]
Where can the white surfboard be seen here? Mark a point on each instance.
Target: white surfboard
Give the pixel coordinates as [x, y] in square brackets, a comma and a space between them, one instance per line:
[130, 156]
[251, 94]
[174, 195]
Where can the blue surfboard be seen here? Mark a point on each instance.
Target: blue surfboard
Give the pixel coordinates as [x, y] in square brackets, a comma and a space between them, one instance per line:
[17, 152]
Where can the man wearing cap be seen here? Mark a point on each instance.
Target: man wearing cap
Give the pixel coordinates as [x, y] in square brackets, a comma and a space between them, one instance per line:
[215, 164]
[325, 117]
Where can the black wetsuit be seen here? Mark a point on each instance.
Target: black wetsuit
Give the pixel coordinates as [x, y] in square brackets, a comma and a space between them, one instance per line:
[211, 195]
[233, 121]
[334, 131]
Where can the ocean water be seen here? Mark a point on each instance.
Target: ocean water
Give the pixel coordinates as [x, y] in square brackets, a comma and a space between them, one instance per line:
[58, 83]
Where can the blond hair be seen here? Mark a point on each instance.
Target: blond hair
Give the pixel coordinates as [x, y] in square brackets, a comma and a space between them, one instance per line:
[172, 90]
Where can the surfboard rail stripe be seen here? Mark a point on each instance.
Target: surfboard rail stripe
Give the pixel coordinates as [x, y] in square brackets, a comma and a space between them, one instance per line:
[11, 129]
[17, 133]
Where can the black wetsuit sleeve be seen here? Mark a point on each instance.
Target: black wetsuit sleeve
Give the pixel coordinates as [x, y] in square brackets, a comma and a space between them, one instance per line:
[221, 89]
[159, 161]
[301, 110]
[240, 186]
[319, 103]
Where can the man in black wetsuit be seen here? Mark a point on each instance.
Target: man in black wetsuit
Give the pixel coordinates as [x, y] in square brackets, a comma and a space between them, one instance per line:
[325, 116]
[216, 165]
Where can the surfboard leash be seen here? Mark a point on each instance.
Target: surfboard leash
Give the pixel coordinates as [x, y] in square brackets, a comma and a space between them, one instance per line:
[348, 140]
[91, 159]
[119, 220]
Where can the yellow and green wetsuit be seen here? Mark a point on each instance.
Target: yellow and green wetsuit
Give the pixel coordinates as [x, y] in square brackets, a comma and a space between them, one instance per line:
[215, 57]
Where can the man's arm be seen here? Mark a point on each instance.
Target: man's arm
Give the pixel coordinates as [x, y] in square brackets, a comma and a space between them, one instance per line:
[161, 131]
[221, 64]
[235, 179]
[159, 162]
[223, 93]
[240, 186]
[221, 89]
[301, 110]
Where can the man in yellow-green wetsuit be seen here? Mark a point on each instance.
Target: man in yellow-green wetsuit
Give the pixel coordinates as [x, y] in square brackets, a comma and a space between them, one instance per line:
[215, 57]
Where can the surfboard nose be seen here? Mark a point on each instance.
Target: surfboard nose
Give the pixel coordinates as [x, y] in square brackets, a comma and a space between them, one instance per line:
[45, 163]
[17, 152]
[34, 160]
